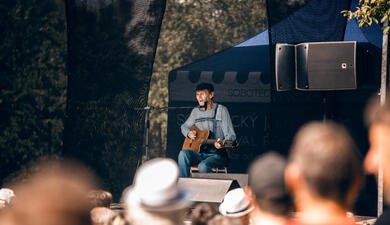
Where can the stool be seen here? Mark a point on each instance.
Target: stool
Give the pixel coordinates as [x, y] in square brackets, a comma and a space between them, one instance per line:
[194, 168]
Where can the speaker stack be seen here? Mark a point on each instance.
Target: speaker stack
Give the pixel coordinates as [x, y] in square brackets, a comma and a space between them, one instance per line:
[212, 187]
[316, 66]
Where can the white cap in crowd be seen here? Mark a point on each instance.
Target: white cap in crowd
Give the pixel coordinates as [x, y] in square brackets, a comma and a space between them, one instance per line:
[155, 187]
[6, 196]
[236, 204]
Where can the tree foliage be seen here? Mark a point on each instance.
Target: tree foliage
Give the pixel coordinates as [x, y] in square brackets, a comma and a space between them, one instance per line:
[33, 53]
[369, 11]
[32, 81]
[192, 30]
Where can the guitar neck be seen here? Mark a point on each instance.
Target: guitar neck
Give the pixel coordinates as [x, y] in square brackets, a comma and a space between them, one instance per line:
[209, 141]
[212, 141]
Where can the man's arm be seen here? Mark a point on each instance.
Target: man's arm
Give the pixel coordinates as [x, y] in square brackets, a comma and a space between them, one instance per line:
[227, 125]
[186, 126]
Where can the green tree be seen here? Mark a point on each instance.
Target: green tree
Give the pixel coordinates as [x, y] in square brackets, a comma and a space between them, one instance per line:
[32, 81]
[191, 30]
[369, 11]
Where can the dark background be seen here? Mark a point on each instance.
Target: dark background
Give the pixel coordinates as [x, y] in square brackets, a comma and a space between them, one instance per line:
[73, 72]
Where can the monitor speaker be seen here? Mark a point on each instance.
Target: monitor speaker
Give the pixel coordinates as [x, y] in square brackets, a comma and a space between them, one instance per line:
[241, 178]
[207, 190]
[326, 66]
[285, 67]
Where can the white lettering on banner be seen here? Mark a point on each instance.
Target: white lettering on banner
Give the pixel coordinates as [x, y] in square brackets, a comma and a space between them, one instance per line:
[247, 141]
[242, 92]
[247, 121]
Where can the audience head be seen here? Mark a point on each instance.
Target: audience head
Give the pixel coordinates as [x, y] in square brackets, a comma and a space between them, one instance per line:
[203, 213]
[54, 194]
[324, 163]
[376, 113]
[6, 196]
[118, 219]
[237, 204]
[378, 121]
[266, 181]
[101, 215]
[224, 220]
[100, 198]
[155, 196]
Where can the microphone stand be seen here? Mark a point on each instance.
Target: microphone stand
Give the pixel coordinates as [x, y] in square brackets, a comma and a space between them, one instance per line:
[147, 110]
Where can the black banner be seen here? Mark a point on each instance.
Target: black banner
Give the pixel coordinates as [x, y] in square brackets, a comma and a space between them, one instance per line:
[111, 48]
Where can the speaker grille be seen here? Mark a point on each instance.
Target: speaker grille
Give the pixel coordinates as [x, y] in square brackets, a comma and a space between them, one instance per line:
[326, 66]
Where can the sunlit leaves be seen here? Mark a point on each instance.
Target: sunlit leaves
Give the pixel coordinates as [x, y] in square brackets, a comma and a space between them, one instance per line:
[370, 11]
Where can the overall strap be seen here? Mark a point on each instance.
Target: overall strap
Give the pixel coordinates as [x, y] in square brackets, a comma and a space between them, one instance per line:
[212, 118]
[215, 119]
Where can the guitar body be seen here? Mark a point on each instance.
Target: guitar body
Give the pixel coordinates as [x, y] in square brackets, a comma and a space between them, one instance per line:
[202, 138]
[195, 144]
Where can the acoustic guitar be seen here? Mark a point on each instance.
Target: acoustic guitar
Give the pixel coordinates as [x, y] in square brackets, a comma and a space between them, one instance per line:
[202, 137]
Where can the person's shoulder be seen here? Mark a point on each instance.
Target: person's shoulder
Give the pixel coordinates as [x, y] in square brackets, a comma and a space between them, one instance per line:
[195, 109]
[222, 108]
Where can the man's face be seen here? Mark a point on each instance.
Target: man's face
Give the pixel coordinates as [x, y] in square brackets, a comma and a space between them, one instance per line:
[203, 95]
[379, 154]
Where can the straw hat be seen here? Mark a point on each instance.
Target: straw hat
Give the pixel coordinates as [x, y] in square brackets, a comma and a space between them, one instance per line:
[155, 187]
[235, 203]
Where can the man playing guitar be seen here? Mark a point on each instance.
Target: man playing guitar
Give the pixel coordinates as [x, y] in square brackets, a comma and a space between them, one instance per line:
[213, 117]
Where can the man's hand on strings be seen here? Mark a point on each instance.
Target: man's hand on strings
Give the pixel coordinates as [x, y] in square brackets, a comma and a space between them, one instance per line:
[192, 134]
[218, 144]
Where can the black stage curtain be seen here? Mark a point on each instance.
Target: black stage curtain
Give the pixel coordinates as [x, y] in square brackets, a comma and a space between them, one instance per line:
[111, 49]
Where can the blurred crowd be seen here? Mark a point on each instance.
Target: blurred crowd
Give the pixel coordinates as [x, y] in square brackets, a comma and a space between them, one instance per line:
[317, 183]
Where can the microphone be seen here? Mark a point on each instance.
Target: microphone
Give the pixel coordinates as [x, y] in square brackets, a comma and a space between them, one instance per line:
[204, 106]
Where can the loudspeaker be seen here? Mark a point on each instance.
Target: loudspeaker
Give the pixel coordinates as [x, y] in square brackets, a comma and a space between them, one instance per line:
[326, 66]
[207, 190]
[241, 178]
[285, 67]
